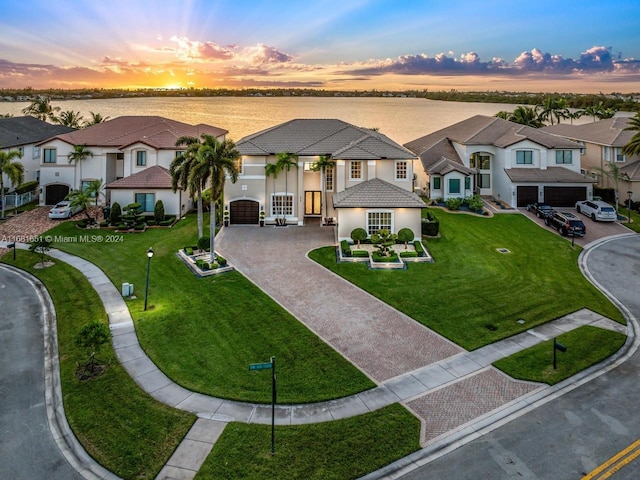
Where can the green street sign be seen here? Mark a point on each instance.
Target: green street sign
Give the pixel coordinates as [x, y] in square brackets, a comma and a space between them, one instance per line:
[260, 366]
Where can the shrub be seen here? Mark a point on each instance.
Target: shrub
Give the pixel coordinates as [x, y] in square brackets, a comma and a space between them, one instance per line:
[346, 250]
[454, 203]
[167, 223]
[360, 253]
[419, 250]
[222, 261]
[140, 226]
[430, 228]
[104, 224]
[158, 211]
[408, 254]
[188, 250]
[204, 243]
[358, 234]
[122, 226]
[405, 235]
[475, 203]
[202, 265]
[151, 223]
[378, 257]
[115, 215]
[27, 187]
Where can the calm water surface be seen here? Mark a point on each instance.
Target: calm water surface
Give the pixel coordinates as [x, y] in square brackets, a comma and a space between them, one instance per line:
[401, 119]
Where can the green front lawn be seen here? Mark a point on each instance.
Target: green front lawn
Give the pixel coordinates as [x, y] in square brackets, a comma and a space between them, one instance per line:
[474, 295]
[204, 332]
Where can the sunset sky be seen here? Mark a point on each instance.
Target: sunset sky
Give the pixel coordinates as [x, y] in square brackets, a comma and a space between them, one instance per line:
[543, 46]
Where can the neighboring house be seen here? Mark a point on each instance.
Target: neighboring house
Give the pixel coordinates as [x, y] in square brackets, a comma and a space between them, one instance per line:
[496, 158]
[602, 143]
[24, 134]
[370, 185]
[125, 150]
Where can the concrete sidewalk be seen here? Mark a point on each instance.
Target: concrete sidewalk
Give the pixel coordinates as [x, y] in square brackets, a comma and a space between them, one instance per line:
[454, 377]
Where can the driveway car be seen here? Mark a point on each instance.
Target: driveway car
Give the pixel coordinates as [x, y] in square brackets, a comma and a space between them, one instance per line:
[542, 210]
[63, 209]
[566, 223]
[597, 210]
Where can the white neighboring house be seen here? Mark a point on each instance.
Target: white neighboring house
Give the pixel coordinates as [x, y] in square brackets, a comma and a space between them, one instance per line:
[504, 160]
[139, 149]
[24, 134]
[370, 185]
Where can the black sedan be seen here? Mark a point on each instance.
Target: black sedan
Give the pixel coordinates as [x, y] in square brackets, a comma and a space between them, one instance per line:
[542, 210]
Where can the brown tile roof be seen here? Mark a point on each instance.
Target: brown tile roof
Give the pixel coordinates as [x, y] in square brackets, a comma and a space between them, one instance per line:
[550, 175]
[157, 132]
[154, 178]
[633, 170]
[610, 132]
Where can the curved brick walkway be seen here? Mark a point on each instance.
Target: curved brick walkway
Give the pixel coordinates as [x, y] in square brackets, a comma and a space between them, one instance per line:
[378, 339]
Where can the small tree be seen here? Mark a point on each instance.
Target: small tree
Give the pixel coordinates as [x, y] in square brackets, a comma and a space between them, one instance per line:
[158, 211]
[358, 234]
[92, 337]
[405, 235]
[41, 245]
[203, 243]
[115, 215]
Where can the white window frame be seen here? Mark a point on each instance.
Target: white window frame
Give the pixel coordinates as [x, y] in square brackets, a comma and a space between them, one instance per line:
[329, 178]
[375, 226]
[36, 152]
[137, 156]
[278, 210]
[401, 170]
[352, 164]
[564, 154]
[618, 155]
[524, 157]
[55, 155]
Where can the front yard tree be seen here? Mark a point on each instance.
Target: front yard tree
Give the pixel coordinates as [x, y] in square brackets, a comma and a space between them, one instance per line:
[95, 189]
[286, 160]
[82, 199]
[158, 211]
[272, 169]
[358, 234]
[405, 235]
[92, 337]
[41, 246]
[79, 155]
[322, 165]
[13, 170]
[215, 160]
[181, 177]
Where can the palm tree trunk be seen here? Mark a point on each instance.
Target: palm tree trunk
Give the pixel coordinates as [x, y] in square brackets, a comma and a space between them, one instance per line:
[2, 196]
[199, 215]
[212, 229]
[80, 179]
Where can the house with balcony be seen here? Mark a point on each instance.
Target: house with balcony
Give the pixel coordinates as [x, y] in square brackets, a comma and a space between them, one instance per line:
[506, 161]
[369, 182]
[131, 155]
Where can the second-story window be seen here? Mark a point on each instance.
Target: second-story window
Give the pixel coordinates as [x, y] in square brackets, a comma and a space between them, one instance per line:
[328, 178]
[401, 170]
[355, 170]
[564, 157]
[49, 155]
[524, 157]
[141, 158]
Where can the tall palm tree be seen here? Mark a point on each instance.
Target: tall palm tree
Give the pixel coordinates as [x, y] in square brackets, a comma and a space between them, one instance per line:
[95, 119]
[95, 189]
[323, 163]
[41, 108]
[554, 109]
[272, 169]
[180, 171]
[215, 160]
[633, 147]
[613, 173]
[69, 118]
[82, 199]
[13, 170]
[79, 155]
[285, 161]
[526, 116]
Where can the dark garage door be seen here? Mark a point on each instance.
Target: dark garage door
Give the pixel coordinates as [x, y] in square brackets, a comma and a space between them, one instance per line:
[527, 195]
[55, 193]
[564, 196]
[244, 212]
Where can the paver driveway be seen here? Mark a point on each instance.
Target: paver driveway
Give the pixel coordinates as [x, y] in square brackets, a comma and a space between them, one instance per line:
[379, 340]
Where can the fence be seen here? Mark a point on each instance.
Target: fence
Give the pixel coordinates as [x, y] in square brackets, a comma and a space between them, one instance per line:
[14, 200]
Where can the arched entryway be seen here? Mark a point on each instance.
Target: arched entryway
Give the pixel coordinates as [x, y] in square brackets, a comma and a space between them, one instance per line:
[245, 212]
[55, 193]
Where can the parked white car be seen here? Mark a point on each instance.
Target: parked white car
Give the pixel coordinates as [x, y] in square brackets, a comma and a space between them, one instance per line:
[63, 209]
[597, 210]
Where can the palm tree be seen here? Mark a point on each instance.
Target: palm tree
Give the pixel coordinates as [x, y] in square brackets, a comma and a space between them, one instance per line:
[215, 159]
[554, 108]
[13, 170]
[95, 189]
[323, 163]
[526, 116]
[79, 154]
[286, 160]
[272, 169]
[69, 118]
[95, 119]
[41, 108]
[633, 147]
[82, 199]
[613, 173]
[180, 170]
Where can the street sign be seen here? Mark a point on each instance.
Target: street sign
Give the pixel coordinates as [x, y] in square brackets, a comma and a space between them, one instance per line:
[260, 366]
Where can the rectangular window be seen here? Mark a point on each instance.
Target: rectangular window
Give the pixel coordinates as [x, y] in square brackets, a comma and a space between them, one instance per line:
[281, 205]
[146, 200]
[485, 162]
[49, 155]
[309, 166]
[179, 153]
[454, 185]
[484, 180]
[524, 157]
[467, 183]
[328, 179]
[481, 161]
[564, 157]
[36, 152]
[355, 171]
[401, 170]
[377, 221]
[239, 165]
[141, 158]
[437, 183]
[619, 155]
[606, 154]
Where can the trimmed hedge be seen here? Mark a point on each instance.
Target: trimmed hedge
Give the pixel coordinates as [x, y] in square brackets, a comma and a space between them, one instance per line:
[222, 261]
[360, 253]
[419, 250]
[27, 187]
[344, 246]
[408, 254]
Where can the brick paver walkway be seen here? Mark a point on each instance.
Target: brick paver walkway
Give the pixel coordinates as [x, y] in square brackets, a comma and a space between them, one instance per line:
[379, 340]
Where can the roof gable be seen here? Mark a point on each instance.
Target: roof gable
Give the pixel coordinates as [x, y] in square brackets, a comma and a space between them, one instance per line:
[154, 178]
[19, 131]
[376, 193]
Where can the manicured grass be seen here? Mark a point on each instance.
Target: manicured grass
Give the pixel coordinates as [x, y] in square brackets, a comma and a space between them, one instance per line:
[204, 332]
[117, 423]
[474, 295]
[586, 346]
[339, 450]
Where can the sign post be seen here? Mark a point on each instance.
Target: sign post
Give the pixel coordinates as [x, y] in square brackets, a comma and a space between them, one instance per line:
[557, 346]
[265, 366]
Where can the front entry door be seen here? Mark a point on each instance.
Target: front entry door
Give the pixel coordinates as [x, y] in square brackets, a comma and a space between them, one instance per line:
[312, 203]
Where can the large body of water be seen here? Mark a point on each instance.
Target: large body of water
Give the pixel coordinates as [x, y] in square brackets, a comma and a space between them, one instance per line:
[401, 119]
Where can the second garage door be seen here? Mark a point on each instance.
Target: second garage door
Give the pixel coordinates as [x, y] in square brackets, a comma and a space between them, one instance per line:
[527, 195]
[564, 196]
[244, 212]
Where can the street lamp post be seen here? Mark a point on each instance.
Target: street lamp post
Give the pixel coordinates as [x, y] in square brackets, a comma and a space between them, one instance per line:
[629, 194]
[146, 290]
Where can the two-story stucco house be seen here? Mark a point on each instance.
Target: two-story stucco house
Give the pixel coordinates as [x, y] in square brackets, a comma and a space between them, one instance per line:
[512, 163]
[370, 184]
[602, 143]
[131, 154]
[24, 134]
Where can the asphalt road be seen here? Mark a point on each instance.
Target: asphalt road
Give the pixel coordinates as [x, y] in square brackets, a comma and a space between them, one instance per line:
[27, 448]
[572, 435]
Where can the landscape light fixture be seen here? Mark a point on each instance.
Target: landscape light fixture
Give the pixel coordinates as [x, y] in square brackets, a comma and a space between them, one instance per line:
[146, 290]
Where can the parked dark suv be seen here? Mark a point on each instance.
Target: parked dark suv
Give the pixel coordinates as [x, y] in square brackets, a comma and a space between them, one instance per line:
[566, 223]
[542, 210]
